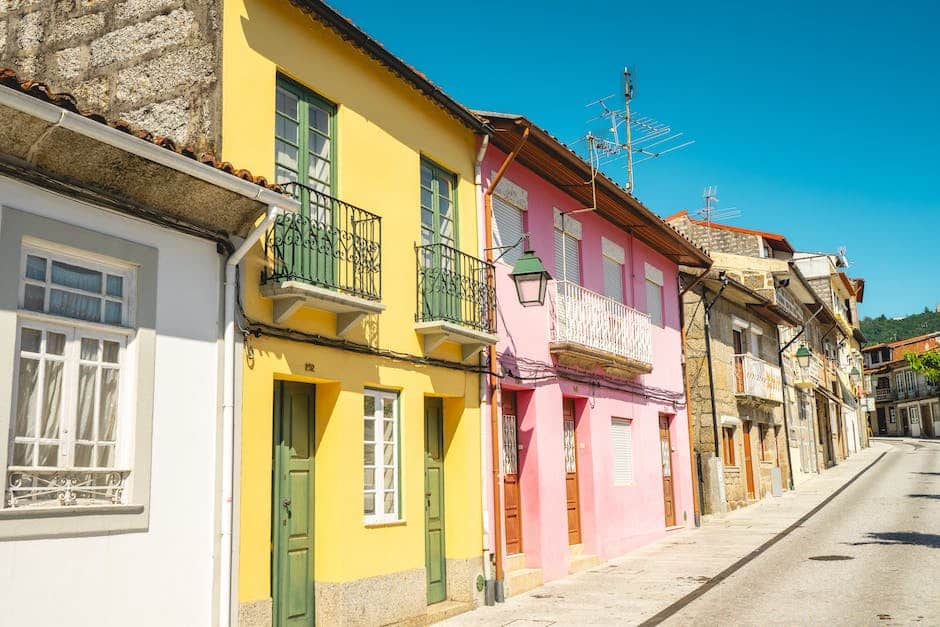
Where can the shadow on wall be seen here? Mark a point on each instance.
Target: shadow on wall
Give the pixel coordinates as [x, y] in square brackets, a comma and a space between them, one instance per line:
[929, 474]
[925, 496]
[912, 538]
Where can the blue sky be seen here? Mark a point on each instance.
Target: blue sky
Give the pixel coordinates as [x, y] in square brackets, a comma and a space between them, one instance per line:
[817, 120]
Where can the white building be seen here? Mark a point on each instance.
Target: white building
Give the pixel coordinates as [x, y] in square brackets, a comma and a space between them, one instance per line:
[112, 258]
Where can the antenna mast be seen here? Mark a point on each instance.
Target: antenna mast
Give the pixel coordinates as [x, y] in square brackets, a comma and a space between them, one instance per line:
[710, 212]
[645, 137]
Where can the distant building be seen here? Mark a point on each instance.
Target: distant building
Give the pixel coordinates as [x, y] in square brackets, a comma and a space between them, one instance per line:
[906, 403]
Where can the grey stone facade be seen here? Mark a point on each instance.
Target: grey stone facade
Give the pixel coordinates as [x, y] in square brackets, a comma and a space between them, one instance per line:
[153, 63]
[732, 242]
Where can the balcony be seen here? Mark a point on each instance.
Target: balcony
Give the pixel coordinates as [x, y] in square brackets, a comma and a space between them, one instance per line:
[883, 395]
[757, 381]
[456, 300]
[328, 260]
[917, 391]
[590, 330]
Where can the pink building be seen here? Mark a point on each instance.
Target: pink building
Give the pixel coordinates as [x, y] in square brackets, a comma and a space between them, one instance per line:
[595, 437]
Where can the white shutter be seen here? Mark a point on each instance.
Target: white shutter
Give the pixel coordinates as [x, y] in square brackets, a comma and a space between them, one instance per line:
[621, 432]
[613, 280]
[572, 259]
[507, 230]
[654, 302]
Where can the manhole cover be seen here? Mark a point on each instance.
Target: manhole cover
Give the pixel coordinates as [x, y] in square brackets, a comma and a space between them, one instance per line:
[831, 558]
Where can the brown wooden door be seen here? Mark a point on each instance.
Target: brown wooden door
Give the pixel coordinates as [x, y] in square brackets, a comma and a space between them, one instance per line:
[571, 473]
[738, 339]
[511, 507]
[748, 465]
[665, 446]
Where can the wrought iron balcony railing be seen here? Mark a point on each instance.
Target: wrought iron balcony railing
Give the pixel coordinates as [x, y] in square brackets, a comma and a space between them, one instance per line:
[331, 244]
[42, 486]
[883, 395]
[581, 316]
[917, 391]
[757, 379]
[455, 287]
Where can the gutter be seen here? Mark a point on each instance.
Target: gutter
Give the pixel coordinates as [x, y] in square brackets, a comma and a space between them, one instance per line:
[227, 606]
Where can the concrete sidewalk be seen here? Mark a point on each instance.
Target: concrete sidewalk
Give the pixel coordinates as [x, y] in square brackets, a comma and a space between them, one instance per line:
[633, 588]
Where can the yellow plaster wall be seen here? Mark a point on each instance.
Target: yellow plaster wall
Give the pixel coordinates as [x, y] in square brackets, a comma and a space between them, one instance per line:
[384, 127]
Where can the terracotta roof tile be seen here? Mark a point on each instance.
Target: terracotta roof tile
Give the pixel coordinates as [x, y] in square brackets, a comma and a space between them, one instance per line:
[41, 91]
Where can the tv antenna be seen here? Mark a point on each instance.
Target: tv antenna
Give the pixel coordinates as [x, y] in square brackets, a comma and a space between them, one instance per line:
[645, 137]
[843, 258]
[710, 213]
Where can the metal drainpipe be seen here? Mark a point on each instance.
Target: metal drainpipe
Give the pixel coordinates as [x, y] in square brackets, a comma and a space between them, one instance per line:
[493, 382]
[786, 426]
[708, 359]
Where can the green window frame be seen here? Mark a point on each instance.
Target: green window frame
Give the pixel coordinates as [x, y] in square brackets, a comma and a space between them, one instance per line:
[438, 205]
[304, 140]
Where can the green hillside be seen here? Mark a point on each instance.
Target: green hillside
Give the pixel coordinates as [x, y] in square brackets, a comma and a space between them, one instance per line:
[882, 329]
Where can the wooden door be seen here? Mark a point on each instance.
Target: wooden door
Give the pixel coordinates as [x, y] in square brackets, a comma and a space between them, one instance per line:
[434, 499]
[738, 341]
[665, 446]
[511, 504]
[748, 460]
[292, 507]
[571, 472]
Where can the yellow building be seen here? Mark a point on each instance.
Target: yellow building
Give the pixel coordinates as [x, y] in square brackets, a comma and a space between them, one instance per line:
[360, 459]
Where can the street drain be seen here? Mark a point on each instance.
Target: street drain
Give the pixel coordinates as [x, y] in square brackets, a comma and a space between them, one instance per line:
[831, 558]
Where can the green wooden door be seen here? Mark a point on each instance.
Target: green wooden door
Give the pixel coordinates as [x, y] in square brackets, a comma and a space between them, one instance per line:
[292, 507]
[434, 499]
[305, 153]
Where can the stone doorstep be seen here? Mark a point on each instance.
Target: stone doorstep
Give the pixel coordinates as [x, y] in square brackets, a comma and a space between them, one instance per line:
[516, 561]
[523, 580]
[582, 562]
[435, 613]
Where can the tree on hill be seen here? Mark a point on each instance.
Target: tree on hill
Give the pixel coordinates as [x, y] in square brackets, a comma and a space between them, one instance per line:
[884, 329]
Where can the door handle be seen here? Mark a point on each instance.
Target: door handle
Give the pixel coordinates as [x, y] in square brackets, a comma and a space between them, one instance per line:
[286, 502]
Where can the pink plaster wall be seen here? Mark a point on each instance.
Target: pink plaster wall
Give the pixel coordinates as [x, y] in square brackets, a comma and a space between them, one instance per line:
[614, 519]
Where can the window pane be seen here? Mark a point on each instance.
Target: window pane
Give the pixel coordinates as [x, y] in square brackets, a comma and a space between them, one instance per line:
[105, 457]
[48, 455]
[111, 352]
[286, 129]
[319, 170]
[319, 145]
[369, 431]
[389, 432]
[76, 277]
[389, 455]
[90, 349]
[34, 298]
[27, 393]
[36, 267]
[369, 503]
[55, 343]
[52, 400]
[286, 155]
[319, 119]
[388, 407]
[368, 454]
[368, 479]
[107, 412]
[389, 478]
[113, 312]
[426, 175]
[389, 502]
[30, 340]
[286, 102]
[368, 404]
[87, 375]
[80, 306]
[83, 455]
[23, 454]
[115, 286]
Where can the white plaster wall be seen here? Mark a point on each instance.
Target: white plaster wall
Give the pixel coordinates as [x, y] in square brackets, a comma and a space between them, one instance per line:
[163, 576]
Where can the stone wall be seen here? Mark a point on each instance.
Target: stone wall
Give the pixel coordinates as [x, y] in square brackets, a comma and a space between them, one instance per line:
[720, 240]
[153, 63]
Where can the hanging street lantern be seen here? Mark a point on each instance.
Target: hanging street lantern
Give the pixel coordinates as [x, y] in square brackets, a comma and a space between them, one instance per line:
[803, 356]
[531, 279]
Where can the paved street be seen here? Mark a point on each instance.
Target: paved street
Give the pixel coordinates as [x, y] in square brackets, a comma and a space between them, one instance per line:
[869, 554]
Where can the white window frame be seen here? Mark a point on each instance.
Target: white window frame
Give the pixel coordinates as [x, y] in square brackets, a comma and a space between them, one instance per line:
[53, 252]
[630, 474]
[379, 516]
[74, 329]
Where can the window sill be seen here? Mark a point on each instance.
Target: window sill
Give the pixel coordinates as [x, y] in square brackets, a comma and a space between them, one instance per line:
[20, 513]
[381, 524]
[628, 484]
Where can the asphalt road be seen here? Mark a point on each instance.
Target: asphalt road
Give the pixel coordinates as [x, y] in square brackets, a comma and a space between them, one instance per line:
[870, 556]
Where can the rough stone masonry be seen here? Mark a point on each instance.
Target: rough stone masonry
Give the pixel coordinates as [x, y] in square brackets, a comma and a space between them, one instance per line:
[153, 63]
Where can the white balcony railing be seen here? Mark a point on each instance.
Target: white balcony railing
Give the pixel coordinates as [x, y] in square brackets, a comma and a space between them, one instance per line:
[43, 486]
[756, 378]
[592, 320]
